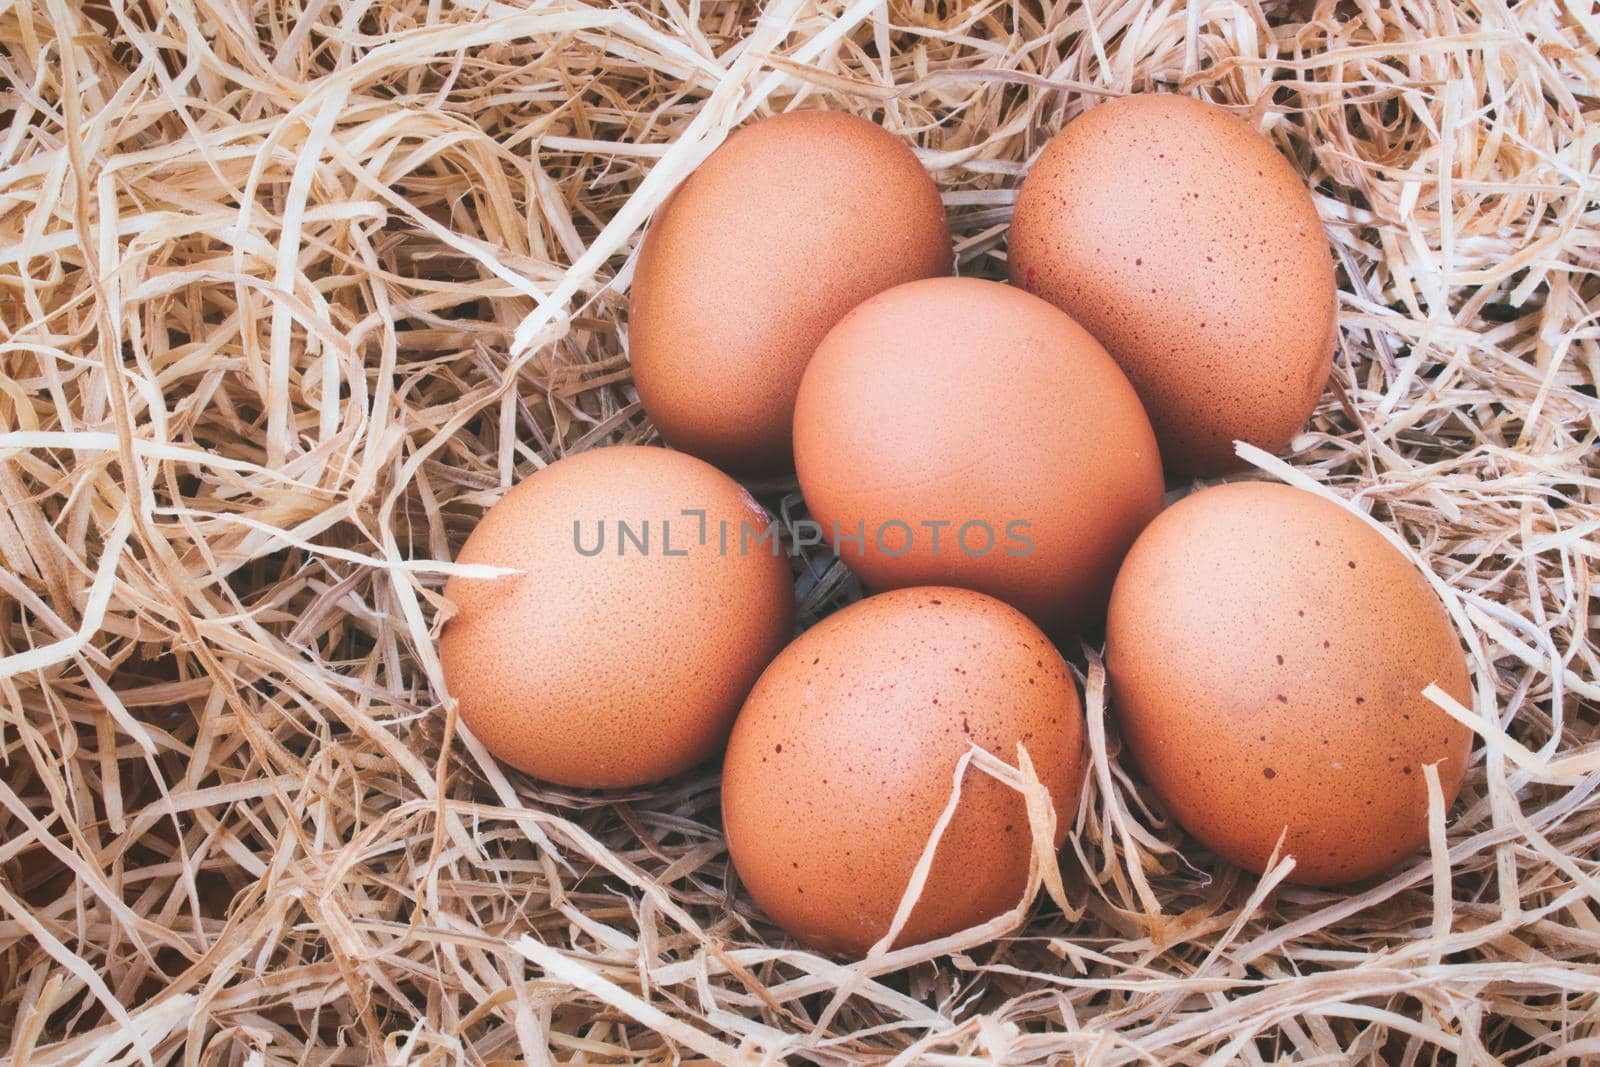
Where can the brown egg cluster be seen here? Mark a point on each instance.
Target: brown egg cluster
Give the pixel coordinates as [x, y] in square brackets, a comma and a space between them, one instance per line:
[989, 459]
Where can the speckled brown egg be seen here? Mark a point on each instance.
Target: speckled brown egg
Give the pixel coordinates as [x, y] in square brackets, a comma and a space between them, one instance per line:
[1267, 653]
[620, 652]
[1180, 237]
[960, 432]
[844, 757]
[795, 220]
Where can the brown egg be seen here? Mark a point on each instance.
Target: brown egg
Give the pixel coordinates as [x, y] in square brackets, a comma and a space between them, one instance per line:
[621, 652]
[1177, 235]
[791, 223]
[844, 756]
[973, 405]
[1267, 653]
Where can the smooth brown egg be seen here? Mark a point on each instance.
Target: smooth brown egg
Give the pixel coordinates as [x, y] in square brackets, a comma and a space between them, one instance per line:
[1179, 236]
[954, 431]
[620, 653]
[792, 222]
[1267, 654]
[844, 757]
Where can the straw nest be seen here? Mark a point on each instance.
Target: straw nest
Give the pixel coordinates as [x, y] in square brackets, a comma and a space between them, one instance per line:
[292, 292]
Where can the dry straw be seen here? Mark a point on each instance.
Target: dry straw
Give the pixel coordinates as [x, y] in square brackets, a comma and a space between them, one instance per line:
[293, 291]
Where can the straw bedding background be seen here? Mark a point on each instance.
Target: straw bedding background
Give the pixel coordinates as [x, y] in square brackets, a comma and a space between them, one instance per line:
[293, 291]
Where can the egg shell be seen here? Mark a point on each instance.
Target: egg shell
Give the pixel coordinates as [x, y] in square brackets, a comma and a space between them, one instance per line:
[844, 757]
[792, 222]
[626, 666]
[1267, 652]
[964, 401]
[1180, 237]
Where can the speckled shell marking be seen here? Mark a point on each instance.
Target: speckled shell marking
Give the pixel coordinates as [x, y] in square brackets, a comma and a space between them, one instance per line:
[844, 755]
[791, 223]
[966, 401]
[1180, 237]
[1267, 653]
[613, 669]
